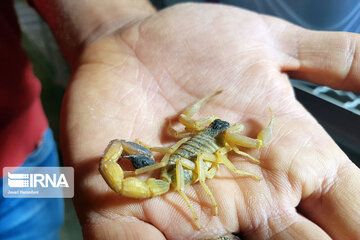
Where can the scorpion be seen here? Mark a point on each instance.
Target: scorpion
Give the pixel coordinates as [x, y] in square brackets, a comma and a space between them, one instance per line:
[203, 145]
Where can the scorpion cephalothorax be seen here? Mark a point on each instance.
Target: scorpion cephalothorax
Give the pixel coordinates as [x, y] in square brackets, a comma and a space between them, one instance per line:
[203, 146]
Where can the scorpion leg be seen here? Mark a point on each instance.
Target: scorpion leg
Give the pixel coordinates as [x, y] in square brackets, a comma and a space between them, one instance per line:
[233, 136]
[171, 149]
[159, 149]
[163, 163]
[222, 158]
[236, 150]
[180, 185]
[172, 132]
[212, 171]
[197, 125]
[153, 149]
[202, 172]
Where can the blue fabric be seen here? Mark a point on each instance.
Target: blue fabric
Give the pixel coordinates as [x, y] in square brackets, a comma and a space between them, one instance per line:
[33, 218]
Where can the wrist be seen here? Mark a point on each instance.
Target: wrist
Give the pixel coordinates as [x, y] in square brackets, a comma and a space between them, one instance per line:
[78, 23]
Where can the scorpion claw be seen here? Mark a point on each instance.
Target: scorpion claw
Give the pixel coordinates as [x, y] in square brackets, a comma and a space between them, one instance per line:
[266, 133]
[233, 136]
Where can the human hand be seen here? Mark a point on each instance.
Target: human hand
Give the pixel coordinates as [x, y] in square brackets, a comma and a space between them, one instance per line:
[128, 82]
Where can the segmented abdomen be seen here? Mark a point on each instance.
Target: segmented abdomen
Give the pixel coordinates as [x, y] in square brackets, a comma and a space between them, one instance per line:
[197, 144]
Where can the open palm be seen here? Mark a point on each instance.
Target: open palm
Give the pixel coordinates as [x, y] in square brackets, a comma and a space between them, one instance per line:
[130, 81]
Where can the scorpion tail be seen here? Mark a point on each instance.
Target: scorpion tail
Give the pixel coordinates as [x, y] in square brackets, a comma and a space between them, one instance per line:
[131, 186]
[135, 188]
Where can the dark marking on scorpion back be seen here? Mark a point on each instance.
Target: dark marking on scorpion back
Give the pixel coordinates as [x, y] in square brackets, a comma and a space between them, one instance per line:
[216, 127]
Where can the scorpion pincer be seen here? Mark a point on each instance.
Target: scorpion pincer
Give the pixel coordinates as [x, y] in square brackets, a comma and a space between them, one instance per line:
[203, 145]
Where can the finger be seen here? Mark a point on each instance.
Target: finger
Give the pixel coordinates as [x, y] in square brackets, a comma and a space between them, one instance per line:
[302, 229]
[286, 227]
[325, 58]
[129, 230]
[336, 208]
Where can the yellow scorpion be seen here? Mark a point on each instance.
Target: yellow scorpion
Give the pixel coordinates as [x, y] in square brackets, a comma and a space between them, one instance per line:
[203, 146]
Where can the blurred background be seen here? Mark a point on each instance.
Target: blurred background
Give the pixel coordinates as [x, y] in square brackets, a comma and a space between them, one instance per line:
[50, 67]
[337, 111]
